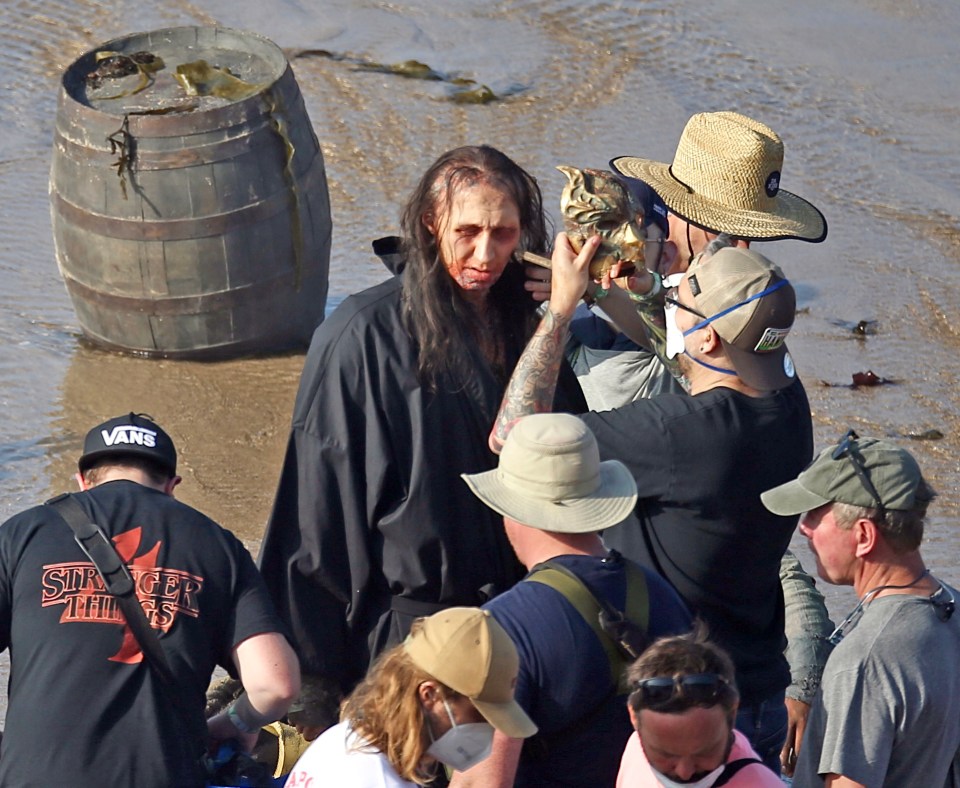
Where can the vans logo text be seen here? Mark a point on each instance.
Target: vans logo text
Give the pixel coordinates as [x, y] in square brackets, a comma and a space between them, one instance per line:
[129, 434]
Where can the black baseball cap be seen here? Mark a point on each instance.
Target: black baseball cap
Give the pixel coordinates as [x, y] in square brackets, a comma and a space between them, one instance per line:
[654, 208]
[135, 434]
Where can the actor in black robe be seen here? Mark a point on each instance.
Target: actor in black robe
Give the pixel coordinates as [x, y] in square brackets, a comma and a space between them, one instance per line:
[372, 525]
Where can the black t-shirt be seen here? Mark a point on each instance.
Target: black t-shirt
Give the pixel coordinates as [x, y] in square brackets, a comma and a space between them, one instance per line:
[701, 463]
[85, 708]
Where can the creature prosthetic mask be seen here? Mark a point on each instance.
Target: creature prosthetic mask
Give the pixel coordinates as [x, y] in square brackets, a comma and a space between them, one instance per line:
[594, 202]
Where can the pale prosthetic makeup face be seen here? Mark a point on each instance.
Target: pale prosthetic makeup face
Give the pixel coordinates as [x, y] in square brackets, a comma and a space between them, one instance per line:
[594, 202]
[476, 237]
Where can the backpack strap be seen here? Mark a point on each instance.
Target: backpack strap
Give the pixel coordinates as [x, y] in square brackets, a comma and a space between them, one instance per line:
[732, 768]
[599, 614]
[116, 578]
[638, 600]
[577, 594]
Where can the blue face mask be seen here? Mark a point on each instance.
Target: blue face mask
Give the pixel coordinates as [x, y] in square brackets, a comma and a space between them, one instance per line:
[676, 338]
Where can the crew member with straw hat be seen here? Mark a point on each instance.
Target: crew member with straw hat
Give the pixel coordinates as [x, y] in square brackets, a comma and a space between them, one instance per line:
[725, 178]
[722, 187]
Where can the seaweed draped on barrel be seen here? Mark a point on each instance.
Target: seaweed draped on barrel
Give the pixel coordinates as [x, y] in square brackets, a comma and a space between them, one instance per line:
[188, 195]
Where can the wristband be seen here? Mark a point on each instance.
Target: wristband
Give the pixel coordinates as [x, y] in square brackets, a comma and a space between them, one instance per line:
[652, 293]
[237, 721]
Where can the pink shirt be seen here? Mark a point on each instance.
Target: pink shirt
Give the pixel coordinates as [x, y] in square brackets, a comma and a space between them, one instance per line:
[635, 772]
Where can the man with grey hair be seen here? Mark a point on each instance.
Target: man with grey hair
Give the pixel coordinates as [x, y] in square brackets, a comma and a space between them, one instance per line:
[888, 713]
[556, 496]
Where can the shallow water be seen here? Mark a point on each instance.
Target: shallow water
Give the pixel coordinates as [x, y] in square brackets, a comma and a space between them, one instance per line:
[858, 90]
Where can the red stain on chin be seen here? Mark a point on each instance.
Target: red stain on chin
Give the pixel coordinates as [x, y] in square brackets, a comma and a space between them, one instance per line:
[474, 280]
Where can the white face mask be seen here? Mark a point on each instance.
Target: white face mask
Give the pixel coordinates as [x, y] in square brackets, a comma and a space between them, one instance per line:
[704, 782]
[675, 342]
[463, 745]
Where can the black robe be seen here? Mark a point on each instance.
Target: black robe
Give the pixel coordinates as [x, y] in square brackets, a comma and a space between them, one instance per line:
[372, 524]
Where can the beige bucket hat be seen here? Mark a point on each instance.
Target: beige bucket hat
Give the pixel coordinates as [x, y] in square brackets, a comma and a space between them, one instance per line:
[550, 477]
[725, 177]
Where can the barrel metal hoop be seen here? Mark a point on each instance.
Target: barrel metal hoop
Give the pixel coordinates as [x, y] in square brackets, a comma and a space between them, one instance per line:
[182, 305]
[223, 150]
[138, 229]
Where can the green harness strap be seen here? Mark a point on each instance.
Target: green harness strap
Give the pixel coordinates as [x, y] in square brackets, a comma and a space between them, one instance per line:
[573, 589]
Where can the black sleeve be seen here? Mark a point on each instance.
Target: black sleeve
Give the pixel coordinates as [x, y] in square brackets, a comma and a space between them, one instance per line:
[316, 552]
[253, 613]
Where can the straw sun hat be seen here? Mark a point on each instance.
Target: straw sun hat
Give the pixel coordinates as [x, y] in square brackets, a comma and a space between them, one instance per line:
[725, 177]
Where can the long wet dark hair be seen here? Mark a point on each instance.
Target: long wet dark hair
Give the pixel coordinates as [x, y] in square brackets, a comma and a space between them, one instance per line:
[444, 324]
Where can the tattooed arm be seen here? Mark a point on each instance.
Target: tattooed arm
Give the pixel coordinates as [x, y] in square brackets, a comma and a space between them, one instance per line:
[534, 380]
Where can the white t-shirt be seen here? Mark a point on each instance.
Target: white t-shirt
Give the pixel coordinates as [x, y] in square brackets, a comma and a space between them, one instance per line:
[334, 760]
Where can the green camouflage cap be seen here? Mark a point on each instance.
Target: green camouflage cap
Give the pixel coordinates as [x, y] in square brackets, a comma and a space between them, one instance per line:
[893, 471]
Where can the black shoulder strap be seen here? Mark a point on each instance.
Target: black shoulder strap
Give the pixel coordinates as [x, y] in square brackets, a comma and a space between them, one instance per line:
[116, 578]
[732, 768]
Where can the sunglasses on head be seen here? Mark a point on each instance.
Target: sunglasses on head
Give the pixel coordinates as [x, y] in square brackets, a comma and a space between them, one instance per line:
[696, 687]
[847, 448]
[943, 603]
[670, 285]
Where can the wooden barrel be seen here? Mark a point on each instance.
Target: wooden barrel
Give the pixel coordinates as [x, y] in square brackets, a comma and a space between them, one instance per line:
[190, 223]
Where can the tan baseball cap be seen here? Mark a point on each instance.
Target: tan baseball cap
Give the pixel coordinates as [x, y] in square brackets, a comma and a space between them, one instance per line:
[467, 650]
[751, 305]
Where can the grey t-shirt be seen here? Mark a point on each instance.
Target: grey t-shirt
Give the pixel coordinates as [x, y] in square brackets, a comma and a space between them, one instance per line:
[611, 378]
[888, 712]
